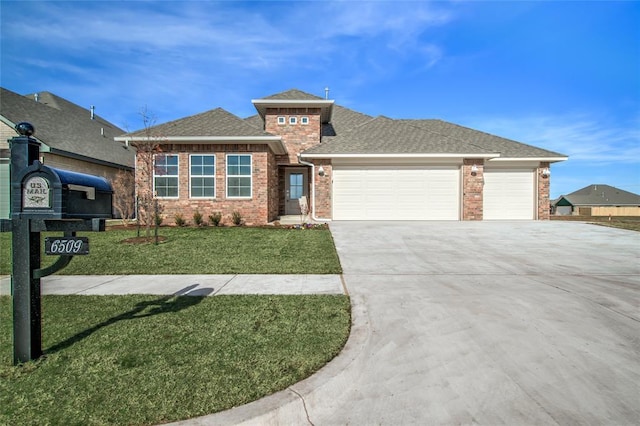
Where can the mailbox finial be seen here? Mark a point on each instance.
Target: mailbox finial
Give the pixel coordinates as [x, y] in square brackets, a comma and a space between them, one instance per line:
[25, 129]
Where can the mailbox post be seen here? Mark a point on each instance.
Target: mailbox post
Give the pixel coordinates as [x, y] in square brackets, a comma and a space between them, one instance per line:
[27, 321]
[46, 199]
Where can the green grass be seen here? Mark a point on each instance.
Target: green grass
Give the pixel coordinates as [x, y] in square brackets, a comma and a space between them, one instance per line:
[209, 250]
[142, 360]
[631, 223]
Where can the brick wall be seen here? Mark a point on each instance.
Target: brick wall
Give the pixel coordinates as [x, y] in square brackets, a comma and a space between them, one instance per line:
[472, 189]
[260, 209]
[543, 192]
[323, 200]
[296, 137]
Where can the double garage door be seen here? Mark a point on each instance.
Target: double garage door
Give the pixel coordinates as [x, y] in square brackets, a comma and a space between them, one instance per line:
[396, 193]
[426, 193]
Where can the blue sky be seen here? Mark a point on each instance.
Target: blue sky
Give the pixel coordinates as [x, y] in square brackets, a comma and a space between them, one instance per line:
[564, 76]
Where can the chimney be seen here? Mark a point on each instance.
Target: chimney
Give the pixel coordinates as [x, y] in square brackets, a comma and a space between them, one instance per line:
[326, 92]
[35, 97]
[93, 112]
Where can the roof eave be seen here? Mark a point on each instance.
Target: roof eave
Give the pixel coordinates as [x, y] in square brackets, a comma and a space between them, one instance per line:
[274, 142]
[399, 156]
[546, 159]
[326, 106]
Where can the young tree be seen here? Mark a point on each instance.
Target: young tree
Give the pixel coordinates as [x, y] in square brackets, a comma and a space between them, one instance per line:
[147, 147]
[123, 195]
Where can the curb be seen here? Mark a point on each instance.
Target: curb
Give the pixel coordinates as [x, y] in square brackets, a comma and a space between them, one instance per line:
[298, 403]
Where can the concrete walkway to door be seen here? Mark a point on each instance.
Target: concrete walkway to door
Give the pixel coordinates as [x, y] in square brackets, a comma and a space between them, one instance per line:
[492, 323]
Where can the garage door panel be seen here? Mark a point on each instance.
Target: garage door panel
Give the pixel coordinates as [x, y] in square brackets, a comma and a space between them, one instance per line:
[396, 193]
[509, 194]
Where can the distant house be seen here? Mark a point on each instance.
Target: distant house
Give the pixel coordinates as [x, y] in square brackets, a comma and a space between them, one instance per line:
[72, 138]
[597, 200]
[348, 165]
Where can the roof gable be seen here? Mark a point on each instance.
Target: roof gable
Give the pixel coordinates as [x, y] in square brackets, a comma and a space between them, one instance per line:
[65, 127]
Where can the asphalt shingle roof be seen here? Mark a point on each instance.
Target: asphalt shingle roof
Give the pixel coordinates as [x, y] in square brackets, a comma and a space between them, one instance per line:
[66, 127]
[506, 147]
[352, 132]
[216, 122]
[342, 120]
[383, 135]
[602, 195]
[293, 95]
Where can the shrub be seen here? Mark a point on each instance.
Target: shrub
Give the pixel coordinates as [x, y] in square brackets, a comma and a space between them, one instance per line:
[197, 218]
[179, 219]
[236, 218]
[215, 218]
[158, 219]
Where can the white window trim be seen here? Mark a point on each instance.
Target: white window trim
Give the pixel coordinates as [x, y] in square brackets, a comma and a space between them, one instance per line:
[215, 169]
[176, 176]
[282, 120]
[293, 120]
[304, 120]
[250, 176]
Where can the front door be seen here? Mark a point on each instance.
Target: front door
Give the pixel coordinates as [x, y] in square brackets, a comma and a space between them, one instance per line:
[296, 186]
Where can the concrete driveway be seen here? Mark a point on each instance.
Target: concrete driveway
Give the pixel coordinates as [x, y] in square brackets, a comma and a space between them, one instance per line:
[490, 323]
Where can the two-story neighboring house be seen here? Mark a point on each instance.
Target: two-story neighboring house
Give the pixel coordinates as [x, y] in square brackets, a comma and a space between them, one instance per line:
[72, 138]
[350, 166]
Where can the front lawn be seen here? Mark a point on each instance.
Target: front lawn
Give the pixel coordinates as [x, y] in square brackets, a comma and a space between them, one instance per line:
[208, 250]
[143, 360]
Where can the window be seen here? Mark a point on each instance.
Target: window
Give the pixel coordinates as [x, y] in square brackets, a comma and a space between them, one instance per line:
[304, 120]
[165, 175]
[203, 176]
[293, 120]
[238, 176]
[281, 120]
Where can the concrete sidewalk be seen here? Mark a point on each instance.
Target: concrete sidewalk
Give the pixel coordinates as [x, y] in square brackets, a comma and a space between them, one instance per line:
[199, 285]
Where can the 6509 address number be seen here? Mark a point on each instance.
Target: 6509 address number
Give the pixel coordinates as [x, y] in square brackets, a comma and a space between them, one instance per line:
[66, 245]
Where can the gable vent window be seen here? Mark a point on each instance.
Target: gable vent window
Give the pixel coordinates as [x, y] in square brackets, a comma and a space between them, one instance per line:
[281, 120]
[304, 120]
[293, 120]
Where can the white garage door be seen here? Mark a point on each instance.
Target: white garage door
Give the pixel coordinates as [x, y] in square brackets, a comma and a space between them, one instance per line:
[508, 194]
[396, 193]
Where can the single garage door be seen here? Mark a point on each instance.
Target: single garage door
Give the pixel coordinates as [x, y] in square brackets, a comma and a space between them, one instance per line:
[396, 193]
[508, 194]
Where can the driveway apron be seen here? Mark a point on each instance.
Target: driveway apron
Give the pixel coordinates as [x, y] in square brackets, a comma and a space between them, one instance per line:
[491, 323]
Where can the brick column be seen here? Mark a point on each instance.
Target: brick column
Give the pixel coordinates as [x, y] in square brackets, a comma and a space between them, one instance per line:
[472, 189]
[323, 189]
[543, 191]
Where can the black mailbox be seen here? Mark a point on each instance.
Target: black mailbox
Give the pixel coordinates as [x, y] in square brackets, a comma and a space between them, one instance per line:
[42, 192]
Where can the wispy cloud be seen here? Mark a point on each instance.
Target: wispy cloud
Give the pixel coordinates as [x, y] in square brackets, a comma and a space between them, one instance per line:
[175, 55]
[583, 137]
[222, 33]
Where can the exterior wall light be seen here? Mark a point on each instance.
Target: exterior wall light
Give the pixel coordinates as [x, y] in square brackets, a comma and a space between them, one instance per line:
[546, 172]
[320, 171]
[474, 170]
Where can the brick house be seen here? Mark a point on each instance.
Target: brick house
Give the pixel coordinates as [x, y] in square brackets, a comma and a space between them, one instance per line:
[349, 165]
